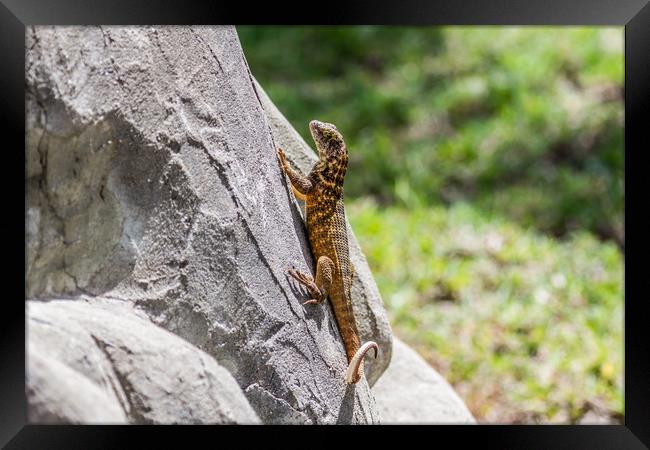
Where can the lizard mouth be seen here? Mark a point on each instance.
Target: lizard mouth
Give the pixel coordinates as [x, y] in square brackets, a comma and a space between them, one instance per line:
[316, 128]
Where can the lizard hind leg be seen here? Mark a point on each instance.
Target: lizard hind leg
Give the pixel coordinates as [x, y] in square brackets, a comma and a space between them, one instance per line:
[318, 288]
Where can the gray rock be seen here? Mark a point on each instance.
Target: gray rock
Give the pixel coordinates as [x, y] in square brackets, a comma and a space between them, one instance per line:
[152, 179]
[100, 362]
[57, 394]
[368, 306]
[411, 391]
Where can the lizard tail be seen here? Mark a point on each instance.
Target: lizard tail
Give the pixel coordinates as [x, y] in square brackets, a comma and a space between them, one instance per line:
[355, 368]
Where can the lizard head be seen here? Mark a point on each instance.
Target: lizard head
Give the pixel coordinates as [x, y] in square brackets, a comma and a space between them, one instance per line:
[329, 141]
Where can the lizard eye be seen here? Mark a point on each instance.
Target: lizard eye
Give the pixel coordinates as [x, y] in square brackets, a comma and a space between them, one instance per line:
[330, 134]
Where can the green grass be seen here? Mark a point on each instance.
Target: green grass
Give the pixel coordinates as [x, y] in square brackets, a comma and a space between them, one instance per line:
[526, 328]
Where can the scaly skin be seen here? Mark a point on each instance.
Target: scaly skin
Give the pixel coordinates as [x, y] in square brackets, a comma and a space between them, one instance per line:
[322, 191]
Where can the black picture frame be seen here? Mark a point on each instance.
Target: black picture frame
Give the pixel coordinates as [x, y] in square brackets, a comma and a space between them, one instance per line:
[634, 15]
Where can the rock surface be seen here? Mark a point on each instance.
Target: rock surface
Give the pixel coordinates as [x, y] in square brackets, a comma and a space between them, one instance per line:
[153, 182]
[57, 394]
[411, 391]
[100, 362]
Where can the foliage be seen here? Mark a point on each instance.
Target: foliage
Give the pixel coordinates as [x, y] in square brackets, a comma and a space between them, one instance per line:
[527, 329]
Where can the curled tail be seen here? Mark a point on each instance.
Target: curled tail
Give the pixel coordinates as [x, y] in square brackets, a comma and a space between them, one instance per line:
[355, 368]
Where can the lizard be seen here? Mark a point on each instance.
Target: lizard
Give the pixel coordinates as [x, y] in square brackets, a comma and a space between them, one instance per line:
[322, 191]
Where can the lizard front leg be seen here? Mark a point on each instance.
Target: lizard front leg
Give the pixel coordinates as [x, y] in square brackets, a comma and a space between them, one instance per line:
[300, 184]
[319, 288]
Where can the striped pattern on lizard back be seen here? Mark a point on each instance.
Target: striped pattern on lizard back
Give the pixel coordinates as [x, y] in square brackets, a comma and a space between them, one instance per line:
[327, 231]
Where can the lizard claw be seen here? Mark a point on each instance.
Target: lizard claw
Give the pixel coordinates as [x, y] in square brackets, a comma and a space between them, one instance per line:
[282, 156]
[311, 301]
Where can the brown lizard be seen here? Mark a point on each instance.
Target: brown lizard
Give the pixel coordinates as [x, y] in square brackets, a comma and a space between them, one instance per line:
[322, 191]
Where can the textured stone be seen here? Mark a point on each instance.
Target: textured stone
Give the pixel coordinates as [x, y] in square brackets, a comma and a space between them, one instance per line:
[153, 181]
[57, 394]
[102, 362]
[411, 391]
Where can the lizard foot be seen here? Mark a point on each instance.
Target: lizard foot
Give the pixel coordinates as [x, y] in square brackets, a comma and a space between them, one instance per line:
[355, 368]
[283, 158]
[309, 283]
[301, 277]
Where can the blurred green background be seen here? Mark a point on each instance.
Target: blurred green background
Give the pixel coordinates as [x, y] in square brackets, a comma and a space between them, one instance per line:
[485, 186]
